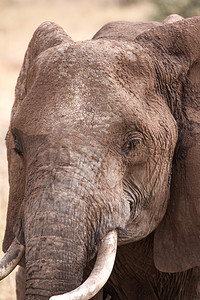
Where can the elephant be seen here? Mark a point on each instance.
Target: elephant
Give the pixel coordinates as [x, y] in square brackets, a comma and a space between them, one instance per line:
[104, 164]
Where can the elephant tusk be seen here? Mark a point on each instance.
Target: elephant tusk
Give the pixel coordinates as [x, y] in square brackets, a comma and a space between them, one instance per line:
[100, 273]
[11, 258]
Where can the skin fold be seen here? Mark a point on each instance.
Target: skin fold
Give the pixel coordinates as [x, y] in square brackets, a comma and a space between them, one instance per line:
[104, 135]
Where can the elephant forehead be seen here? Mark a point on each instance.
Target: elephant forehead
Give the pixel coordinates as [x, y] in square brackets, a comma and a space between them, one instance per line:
[88, 85]
[90, 64]
[95, 64]
[80, 116]
[97, 52]
[73, 87]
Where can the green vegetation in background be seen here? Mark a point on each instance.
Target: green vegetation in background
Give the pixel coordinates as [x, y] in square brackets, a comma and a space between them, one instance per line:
[164, 8]
[184, 8]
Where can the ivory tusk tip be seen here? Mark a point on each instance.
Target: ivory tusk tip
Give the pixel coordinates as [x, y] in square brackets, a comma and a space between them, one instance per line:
[59, 297]
[100, 273]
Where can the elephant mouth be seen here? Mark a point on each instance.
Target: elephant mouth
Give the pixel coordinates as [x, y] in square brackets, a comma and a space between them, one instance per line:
[98, 277]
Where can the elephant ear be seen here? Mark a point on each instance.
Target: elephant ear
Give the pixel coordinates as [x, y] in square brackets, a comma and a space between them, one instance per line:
[176, 53]
[46, 36]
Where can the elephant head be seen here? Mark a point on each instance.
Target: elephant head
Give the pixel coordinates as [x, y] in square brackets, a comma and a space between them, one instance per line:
[103, 149]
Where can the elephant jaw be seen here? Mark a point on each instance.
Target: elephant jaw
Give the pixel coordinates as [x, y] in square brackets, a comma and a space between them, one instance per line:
[11, 258]
[100, 273]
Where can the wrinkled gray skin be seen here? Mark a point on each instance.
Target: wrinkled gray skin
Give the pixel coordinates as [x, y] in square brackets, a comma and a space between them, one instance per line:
[106, 136]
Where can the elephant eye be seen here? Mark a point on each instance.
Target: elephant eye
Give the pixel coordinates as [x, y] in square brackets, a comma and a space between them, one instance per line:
[18, 148]
[131, 142]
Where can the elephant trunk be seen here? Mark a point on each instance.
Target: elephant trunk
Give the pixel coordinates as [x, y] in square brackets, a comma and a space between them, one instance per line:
[56, 251]
[65, 217]
[100, 273]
